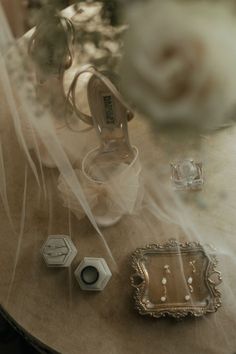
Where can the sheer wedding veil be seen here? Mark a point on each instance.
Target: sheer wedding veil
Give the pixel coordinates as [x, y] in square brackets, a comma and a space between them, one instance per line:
[18, 92]
[207, 216]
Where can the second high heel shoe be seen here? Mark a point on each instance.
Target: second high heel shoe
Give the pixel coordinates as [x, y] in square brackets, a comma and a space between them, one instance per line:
[51, 49]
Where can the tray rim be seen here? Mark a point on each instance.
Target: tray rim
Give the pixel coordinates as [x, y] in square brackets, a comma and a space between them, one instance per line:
[173, 246]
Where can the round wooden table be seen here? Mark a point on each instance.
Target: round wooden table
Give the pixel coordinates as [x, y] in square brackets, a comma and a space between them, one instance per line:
[48, 303]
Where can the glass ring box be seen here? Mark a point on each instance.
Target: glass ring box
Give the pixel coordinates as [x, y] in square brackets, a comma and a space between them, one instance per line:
[175, 279]
[187, 175]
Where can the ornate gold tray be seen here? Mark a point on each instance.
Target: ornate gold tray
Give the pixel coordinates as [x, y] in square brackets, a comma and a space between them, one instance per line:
[175, 279]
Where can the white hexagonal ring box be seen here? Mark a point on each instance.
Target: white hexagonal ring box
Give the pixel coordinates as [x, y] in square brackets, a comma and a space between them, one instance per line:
[93, 274]
[58, 251]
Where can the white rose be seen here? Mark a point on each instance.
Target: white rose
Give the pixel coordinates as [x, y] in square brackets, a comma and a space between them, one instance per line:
[180, 62]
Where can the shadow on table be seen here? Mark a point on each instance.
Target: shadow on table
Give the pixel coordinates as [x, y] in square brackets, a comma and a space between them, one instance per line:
[11, 342]
[15, 340]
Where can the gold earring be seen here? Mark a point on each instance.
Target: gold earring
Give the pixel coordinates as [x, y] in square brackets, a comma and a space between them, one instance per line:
[192, 264]
[164, 296]
[164, 282]
[190, 280]
[167, 268]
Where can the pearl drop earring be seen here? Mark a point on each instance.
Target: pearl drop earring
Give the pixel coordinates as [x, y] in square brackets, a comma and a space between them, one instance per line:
[164, 282]
[190, 280]
[164, 297]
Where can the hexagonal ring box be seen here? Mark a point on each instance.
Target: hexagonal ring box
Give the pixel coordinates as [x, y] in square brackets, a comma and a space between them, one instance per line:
[58, 251]
[93, 274]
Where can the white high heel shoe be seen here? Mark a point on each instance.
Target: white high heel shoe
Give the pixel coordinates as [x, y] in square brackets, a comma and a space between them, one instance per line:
[110, 174]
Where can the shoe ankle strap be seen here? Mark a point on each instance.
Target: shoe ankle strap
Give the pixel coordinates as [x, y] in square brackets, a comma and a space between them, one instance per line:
[72, 99]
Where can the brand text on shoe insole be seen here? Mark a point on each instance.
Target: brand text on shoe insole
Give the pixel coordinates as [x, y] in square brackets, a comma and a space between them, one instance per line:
[109, 111]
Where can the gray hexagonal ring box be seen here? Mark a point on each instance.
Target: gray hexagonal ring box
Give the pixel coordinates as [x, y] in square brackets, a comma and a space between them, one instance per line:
[93, 274]
[58, 251]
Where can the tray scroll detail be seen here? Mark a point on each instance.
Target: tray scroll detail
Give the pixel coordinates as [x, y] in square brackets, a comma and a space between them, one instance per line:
[148, 263]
